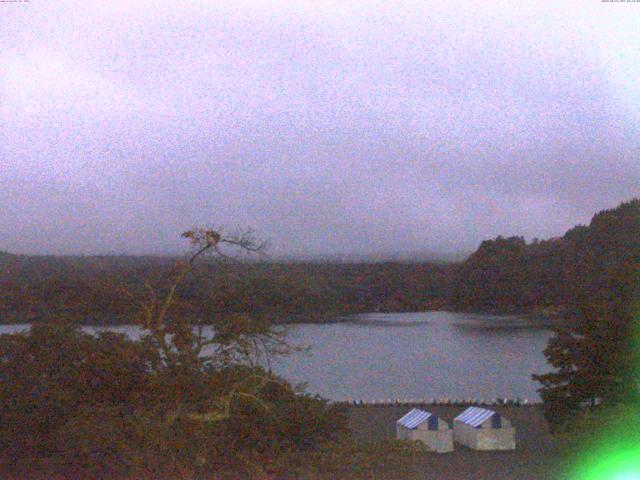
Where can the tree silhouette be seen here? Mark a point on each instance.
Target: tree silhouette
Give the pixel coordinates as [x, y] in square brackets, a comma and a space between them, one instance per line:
[595, 361]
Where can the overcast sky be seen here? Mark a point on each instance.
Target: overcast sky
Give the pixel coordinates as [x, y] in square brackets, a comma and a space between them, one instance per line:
[329, 127]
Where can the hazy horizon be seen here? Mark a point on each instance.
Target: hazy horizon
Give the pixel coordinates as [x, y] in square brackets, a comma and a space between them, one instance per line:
[376, 257]
[332, 129]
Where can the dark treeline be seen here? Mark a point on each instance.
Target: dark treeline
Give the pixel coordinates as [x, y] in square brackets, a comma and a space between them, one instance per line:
[505, 275]
[100, 289]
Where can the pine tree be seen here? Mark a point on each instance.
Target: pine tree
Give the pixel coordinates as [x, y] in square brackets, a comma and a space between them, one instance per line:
[596, 360]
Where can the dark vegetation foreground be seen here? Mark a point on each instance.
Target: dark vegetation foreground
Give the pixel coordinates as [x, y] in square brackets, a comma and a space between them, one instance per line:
[537, 456]
[175, 403]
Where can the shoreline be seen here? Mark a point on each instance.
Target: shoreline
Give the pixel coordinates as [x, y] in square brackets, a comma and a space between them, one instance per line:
[551, 317]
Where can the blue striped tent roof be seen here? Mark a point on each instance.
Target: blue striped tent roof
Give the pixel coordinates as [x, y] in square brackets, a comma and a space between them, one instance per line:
[474, 416]
[414, 418]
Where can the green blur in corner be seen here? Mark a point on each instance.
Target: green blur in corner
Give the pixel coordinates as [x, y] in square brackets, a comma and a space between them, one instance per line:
[613, 452]
[619, 462]
[608, 447]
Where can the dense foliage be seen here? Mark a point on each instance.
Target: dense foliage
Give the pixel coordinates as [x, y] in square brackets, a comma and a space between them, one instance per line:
[91, 288]
[504, 275]
[597, 360]
[174, 403]
[102, 406]
[507, 274]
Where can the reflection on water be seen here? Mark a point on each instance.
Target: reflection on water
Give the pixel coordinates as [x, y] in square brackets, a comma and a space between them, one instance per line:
[420, 355]
[385, 320]
[412, 355]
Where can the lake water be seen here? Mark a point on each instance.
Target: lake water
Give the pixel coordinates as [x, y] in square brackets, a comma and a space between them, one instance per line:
[413, 356]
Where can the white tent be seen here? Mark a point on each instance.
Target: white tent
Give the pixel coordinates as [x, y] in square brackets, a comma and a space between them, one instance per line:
[427, 428]
[483, 429]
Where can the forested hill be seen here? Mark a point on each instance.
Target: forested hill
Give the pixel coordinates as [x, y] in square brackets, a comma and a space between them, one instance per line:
[507, 274]
[104, 289]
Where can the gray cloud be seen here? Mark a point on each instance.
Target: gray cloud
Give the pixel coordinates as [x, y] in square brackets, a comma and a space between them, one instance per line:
[329, 128]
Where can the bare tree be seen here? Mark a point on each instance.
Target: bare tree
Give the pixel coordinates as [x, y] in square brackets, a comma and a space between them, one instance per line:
[234, 340]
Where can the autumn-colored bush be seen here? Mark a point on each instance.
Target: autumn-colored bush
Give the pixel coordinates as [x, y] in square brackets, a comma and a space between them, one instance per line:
[52, 371]
[118, 440]
[105, 403]
[176, 403]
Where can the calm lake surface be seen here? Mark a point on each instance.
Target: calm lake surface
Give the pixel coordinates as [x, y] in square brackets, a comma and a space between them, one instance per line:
[413, 356]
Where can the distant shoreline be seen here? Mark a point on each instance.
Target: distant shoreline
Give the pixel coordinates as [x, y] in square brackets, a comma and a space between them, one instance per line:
[541, 317]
